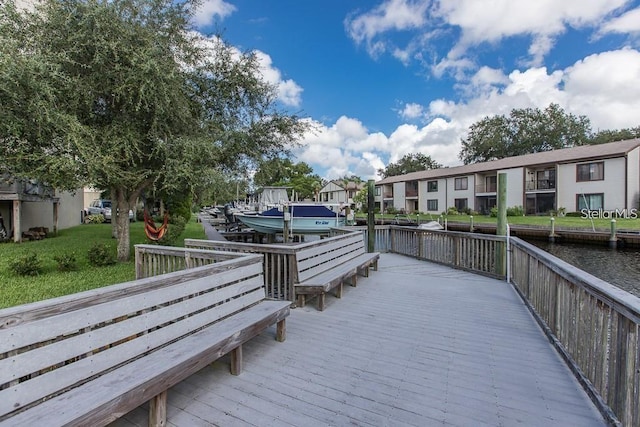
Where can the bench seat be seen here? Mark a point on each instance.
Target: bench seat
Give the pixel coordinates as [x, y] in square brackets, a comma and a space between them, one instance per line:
[334, 278]
[112, 395]
[87, 359]
[323, 267]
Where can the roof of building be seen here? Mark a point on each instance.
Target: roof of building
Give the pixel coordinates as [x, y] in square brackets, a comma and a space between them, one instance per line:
[347, 185]
[565, 155]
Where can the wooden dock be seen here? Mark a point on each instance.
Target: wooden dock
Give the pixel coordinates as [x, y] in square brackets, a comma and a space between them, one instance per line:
[416, 344]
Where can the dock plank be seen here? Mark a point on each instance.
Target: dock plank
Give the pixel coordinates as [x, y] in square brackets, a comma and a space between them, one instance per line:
[422, 344]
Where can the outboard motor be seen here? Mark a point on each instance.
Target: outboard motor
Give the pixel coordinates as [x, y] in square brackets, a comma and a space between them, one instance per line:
[228, 213]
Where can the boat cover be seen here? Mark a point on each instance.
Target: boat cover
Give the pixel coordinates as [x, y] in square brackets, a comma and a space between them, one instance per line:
[304, 211]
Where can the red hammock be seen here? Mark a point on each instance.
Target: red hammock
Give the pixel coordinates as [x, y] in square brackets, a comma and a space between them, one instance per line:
[150, 229]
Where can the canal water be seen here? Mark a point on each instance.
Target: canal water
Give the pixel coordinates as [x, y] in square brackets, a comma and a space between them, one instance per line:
[620, 267]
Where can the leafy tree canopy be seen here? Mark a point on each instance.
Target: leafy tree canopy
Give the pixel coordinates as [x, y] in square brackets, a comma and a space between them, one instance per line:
[125, 96]
[279, 171]
[604, 136]
[524, 131]
[409, 163]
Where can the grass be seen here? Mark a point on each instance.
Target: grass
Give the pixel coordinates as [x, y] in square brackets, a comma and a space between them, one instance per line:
[539, 221]
[78, 240]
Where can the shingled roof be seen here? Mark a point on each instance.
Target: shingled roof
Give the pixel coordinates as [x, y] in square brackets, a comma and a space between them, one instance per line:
[565, 155]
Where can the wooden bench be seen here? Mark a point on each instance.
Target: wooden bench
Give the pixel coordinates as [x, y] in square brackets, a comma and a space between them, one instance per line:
[325, 266]
[89, 358]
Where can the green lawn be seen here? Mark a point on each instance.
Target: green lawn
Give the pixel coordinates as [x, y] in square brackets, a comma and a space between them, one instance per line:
[51, 283]
[540, 221]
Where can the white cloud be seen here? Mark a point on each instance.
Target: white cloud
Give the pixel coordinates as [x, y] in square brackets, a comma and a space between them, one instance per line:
[602, 87]
[289, 92]
[412, 111]
[209, 9]
[479, 22]
[626, 23]
[390, 15]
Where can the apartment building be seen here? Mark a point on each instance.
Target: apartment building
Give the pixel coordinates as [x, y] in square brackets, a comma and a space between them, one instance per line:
[593, 177]
[339, 191]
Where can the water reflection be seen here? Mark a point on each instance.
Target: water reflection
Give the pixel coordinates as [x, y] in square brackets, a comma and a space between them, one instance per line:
[620, 267]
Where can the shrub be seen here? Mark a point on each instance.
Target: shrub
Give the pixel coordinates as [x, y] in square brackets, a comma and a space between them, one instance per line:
[515, 211]
[452, 211]
[100, 255]
[176, 227]
[391, 210]
[494, 212]
[94, 219]
[66, 262]
[27, 265]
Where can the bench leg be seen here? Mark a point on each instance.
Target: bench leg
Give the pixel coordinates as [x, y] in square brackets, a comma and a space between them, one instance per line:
[302, 301]
[321, 301]
[354, 280]
[281, 331]
[339, 290]
[158, 410]
[236, 360]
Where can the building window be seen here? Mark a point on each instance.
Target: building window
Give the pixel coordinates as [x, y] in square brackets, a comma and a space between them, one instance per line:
[461, 183]
[460, 204]
[432, 205]
[377, 191]
[591, 202]
[432, 186]
[590, 172]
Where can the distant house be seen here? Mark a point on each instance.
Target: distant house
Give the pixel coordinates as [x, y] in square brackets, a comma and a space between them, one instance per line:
[592, 177]
[340, 192]
[25, 204]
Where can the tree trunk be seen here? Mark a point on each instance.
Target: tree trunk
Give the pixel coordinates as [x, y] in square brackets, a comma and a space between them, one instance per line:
[120, 217]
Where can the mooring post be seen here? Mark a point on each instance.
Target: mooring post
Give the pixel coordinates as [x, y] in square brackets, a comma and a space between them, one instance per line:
[552, 236]
[371, 219]
[286, 216]
[471, 223]
[613, 239]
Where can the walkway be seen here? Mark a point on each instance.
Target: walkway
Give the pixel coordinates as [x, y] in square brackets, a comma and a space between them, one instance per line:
[415, 344]
[210, 231]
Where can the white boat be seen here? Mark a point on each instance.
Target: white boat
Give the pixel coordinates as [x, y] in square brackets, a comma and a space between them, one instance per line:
[431, 225]
[303, 219]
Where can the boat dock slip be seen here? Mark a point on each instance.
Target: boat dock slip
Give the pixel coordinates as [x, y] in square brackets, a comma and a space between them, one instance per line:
[416, 344]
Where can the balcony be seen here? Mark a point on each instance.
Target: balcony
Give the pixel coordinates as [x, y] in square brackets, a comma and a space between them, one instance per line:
[24, 189]
[541, 185]
[411, 192]
[487, 188]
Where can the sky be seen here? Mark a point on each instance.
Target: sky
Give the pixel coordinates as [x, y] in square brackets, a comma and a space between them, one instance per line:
[381, 79]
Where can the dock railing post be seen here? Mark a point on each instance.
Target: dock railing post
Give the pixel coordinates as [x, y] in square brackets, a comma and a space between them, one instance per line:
[501, 228]
[371, 221]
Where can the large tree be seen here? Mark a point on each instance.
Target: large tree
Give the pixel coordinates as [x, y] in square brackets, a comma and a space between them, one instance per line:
[125, 96]
[524, 131]
[409, 163]
[605, 136]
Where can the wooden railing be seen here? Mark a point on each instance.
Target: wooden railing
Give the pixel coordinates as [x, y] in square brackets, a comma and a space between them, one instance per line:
[279, 263]
[280, 273]
[153, 260]
[593, 324]
[474, 252]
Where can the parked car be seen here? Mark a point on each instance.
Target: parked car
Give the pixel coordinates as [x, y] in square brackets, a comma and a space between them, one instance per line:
[103, 207]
